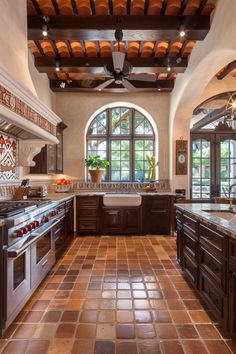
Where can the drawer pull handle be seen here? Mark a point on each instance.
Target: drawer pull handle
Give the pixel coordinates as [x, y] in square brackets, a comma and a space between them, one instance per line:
[158, 211]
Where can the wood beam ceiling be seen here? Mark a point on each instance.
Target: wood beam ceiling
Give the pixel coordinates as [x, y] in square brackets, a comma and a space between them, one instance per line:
[96, 64]
[102, 27]
[77, 86]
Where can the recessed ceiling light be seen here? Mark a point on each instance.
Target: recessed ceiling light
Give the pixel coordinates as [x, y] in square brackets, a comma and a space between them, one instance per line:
[45, 32]
[99, 89]
[182, 33]
[57, 68]
[159, 89]
[168, 68]
[234, 104]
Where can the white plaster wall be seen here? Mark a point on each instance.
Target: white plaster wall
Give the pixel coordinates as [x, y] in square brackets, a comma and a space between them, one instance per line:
[208, 57]
[13, 39]
[41, 84]
[76, 109]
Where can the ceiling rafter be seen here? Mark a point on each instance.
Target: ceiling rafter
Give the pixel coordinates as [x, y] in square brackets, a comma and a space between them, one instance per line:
[146, 6]
[40, 49]
[56, 8]
[74, 7]
[128, 7]
[36, 7]
[96, 64]
[92, 5]
[201, 7]
[164, 5]
[183, 5]
[77, 85]
[150, 27]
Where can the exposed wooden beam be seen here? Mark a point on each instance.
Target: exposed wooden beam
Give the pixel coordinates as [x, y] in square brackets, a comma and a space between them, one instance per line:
[55, 5]
[146, 7]
[74, 7]
[37, 7]
[77, 86]
[201, 7]
[54, 47]
[209, 118]
[163, 10]
[96, 64]
[92, 5]
[38, 45]
[69, 48]
[135, 28]
[183, 5]
[227, 70]
[110, 7]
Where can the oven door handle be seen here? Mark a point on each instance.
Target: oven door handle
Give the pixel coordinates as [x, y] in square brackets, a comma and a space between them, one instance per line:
[13, 252]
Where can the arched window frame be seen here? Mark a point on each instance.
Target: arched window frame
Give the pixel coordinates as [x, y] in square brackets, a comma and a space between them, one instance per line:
[132, 138]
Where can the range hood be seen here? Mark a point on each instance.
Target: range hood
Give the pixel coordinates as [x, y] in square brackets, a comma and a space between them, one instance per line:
[11, 129]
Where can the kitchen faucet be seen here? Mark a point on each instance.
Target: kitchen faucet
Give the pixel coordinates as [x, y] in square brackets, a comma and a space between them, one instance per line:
[231, 199]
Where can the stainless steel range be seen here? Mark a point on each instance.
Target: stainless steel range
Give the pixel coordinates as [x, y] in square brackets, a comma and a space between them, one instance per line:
[28, 250]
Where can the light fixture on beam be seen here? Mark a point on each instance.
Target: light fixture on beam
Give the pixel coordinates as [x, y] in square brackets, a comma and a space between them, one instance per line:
[57, 65]
[45, 27]
[168, 68]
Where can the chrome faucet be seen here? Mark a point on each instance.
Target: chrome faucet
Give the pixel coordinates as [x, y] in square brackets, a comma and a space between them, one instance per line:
[231, 199]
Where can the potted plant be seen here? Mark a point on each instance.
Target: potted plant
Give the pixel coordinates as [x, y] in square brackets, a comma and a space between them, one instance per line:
[96, 167]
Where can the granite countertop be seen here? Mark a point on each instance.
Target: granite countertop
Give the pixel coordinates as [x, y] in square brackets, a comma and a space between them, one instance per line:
[199, 210]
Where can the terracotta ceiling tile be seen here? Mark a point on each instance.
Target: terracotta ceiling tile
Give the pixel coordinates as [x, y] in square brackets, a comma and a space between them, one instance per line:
[188, 49]
[30, 8]
[34, 49]
[65, 7]
[175, 48]
[191, 7]
[119, 7]
[173, 7]
[137, 7]
[47, 48]
[147, 49]
[91, 49]
[77, 49]
[83, 7]
[47, 7]
[62, 76]
[209, 7]
[133, 49]
[155, 7]
[62, 49]
[105, 49]
[162, 49]
[101, 7]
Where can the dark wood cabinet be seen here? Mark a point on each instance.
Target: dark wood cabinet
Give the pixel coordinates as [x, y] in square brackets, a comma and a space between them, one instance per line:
[121, 220]
[157, 214]
[232, 287]
[69, 215]
[50, 158]
[87, 214]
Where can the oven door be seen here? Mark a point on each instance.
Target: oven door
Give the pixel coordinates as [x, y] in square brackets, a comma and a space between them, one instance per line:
[18, 280]
[42, 258]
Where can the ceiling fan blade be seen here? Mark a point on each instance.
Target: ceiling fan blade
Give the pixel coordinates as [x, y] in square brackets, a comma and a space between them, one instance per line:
[143, 77]
[118, 61]
[128, 86]
[104, 84]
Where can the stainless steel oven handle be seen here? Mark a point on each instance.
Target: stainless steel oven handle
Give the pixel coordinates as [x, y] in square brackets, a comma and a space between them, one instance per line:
[14, 252]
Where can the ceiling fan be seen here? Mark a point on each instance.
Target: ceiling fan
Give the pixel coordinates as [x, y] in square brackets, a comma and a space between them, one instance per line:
[120, 70]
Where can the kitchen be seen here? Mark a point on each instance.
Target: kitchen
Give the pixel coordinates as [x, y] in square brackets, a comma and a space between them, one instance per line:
[92, 266]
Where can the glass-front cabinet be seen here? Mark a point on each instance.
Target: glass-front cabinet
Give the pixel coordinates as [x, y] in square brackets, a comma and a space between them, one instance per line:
[213, 164]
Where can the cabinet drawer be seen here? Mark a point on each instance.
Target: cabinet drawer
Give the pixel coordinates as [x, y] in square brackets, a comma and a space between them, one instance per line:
[87, 202]
[87, 225]
[190, 268]
[213, 239]
[190, 244]
[190, 223]
[179, 215]
[158, 203]
[87, 212]
[213, 295]
[214, 266]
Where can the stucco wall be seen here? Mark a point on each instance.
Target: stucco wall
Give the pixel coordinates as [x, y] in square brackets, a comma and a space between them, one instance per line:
[76, 109]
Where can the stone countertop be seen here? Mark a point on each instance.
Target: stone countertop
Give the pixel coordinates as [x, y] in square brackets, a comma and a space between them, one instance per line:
[199, 210]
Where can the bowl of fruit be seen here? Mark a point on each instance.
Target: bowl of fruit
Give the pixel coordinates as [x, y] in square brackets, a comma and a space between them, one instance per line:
[63, 185]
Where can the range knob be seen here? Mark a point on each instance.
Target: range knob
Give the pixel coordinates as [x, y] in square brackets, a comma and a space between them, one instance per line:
[33, 225]
[18, 233]
[46, 219]
[36, 223]
[24, 230]
[29, 227]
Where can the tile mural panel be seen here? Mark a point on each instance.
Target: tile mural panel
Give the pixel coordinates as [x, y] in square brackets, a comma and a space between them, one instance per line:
[8, 158]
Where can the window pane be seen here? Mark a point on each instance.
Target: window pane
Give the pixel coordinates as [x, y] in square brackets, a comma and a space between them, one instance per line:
[97, 147]
[120, 164]
[142, 125]
[120, 121]
[142, 149]
[99, 125]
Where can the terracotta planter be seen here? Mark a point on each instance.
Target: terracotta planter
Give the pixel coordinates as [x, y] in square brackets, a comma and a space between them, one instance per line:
[96, 175]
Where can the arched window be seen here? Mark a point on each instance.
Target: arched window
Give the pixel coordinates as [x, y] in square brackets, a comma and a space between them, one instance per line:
[124, 137]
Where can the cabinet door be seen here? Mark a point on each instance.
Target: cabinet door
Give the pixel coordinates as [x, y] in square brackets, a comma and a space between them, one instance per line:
[232, 288]
[131, 220]
[59, 153]
[158, 221]
[112, 221]
[51, 158]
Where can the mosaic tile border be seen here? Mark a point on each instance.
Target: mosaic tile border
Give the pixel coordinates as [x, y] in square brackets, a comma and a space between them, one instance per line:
[16, 105]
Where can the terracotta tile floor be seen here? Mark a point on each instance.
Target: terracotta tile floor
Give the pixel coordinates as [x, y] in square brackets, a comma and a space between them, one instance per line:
[116, 295]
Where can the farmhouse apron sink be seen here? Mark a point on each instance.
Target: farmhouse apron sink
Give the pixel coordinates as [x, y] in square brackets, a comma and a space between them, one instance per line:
[122, 199]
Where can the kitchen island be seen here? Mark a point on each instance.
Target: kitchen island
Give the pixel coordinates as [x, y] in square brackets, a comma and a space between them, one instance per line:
[206, 251]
